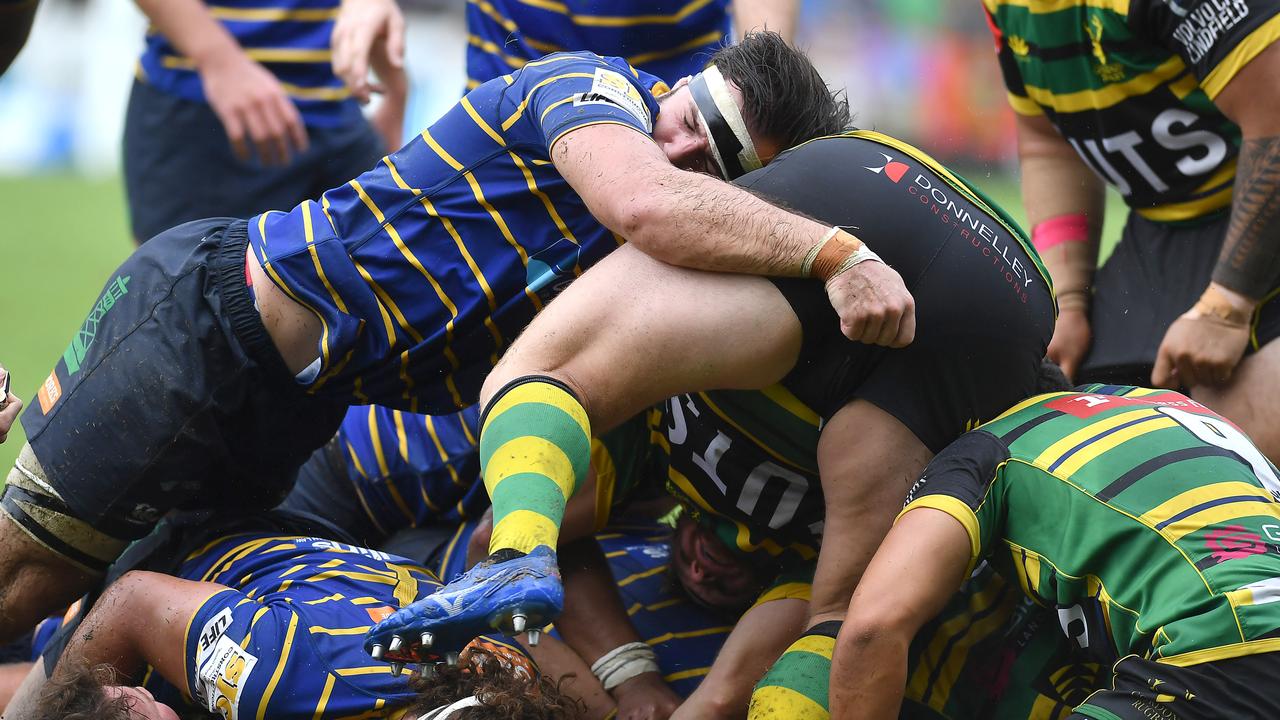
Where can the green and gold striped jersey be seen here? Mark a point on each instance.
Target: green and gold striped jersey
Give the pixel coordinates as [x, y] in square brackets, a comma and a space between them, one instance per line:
[1131, 83]
[1150, 524]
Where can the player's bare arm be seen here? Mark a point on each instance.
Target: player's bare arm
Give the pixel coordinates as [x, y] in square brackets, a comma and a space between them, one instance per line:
[919, 565]
[758, 638]
[140, 620]
[780, 16]
[252, 105]
[1204, 346]
[1064, 201]
[694, 220]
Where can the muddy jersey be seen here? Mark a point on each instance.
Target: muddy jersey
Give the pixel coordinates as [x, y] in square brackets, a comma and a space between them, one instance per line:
[1131, 83]
[1149, 523]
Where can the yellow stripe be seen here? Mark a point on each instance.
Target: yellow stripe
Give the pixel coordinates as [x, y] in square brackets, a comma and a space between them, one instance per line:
[309, 233]
[272, 14]
[1186, 500]
[783, 702]
[951, 667]
[1247, 49]
[1257, 315]
[606, 482]
[511, 120]
[1224, 652]
[707, 38]
[757, 441]
[783, 398]
[524, 530]
[686, 488]
[324, 696]
[686, 674]
[317, 630]
[493, 49]
[444, 155]
[1184, 85]
[1176, 212]
[475, 116]
[1093, 451]
[488, 9]
[1094, 429]
[944, 641]
[642, 575]
[385, 472]
[1028, 403]
[1039, 7]
[316, 93]
[430, 424]
[285, 651]
[665, 637]
[539, 454]
[816, 644]
[543, 117]
[616, 20]
[371, 670]
[1109, 95]
[785, 591]
[956, 509]
[537, 392]
[233, 555]
[1219, 513]
[1024, 105]
[262, 55]
[565, 232]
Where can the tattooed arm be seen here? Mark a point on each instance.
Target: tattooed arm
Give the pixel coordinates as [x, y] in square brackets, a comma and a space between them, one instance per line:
[1204, 346]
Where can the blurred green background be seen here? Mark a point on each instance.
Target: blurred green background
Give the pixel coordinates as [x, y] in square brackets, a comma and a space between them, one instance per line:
[68, 233]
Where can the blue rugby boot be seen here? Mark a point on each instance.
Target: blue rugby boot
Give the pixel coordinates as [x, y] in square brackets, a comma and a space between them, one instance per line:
[509, 591]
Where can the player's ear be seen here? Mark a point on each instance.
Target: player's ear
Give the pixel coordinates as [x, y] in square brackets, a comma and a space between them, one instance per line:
[679, 84]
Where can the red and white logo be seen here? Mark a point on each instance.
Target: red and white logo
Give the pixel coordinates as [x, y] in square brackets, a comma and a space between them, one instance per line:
[891, 168]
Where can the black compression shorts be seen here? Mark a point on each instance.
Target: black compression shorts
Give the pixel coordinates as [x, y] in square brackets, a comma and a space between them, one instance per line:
[984, 312]
[1239, 687]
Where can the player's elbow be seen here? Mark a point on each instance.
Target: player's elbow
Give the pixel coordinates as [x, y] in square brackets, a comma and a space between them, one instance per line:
[876, 633]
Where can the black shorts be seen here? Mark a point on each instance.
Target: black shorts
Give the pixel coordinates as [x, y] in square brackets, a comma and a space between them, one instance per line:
[1231, 689]
[179, 166]
[1155, 274]
[325, 489]
[984, 314]
[172, 394]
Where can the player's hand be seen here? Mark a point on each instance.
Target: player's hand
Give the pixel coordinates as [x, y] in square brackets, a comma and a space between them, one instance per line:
[388, 119]
[10, 406]
[645, 697]
[1203, 347]
[365, 27]
[1071, 338]
[874, 305]
[254, 109]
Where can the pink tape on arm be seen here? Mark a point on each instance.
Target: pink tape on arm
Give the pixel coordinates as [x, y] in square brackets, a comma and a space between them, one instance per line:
[1060, 229]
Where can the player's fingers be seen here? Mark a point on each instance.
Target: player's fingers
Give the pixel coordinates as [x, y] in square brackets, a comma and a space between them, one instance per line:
[395, 40]
[295, 127]
[258, 136]
[906, 328]
[853, 327]
[1068, 366]
[1162, 372]
[889, 329]
[234, 124]
[871, 328]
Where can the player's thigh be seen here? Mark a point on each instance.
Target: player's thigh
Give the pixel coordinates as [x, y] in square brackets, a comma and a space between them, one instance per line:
[1252, 398]
[633, 331]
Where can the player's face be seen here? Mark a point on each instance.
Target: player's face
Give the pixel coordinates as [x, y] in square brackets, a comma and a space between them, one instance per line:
[144, 705]
[682, 136]
[711, 573]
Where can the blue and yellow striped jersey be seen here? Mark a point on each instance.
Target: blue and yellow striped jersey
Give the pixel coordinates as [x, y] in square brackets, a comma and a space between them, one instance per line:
[423, 269]
[289, 37]
[666, 38]
[410, 470]
[685, 636]
[285, 639]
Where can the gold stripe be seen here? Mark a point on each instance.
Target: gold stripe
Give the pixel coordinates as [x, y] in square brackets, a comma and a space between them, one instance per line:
[1249, 48]
[488, 9]
[385, 471]
[606, 474]
[642, 575]
[492, 49]
[370, 670]
[540, 392]
[316, 93]
[543, 117]
[1093, 451]
[324, 696]
[430, 425]
[475, 116]
[1064, 445]
[616, 20]
[757, 441]
[1024, 105]
[511, 120]
[546, 201]
[402, 442]
[317, 630]
[1223, 652]
[1191, 209]
[1109, 95]
[785, 591]
[684, 47]
[1040, 7]
[816, 644]
[783, 702]
[1028, 403]
[956, 509]
[538, 455]
[703, 632]
[309, 233]
[524, 530]
[1184, 85]
[1191, 498]
[686, 674]
[783, 398]
[1219, 513]
[272, 14]
[285, 651]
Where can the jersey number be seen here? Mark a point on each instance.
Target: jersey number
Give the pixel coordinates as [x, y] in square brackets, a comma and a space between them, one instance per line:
[1219, 433]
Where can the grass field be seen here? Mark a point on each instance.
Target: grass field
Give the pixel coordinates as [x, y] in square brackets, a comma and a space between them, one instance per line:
[63, 234]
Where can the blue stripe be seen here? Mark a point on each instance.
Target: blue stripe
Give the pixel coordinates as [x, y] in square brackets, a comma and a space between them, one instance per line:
[1210, 504]
[1098, 437]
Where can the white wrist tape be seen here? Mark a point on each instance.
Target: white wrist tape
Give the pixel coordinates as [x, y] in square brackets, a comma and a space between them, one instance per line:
[861, 255]
[623, 663]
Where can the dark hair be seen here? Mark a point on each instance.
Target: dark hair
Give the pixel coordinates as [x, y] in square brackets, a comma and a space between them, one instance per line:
[503, 694]
[76, 693]
[785, 99]
[1050, 378]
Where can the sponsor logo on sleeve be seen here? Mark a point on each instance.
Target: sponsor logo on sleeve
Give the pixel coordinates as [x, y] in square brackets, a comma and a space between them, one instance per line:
[50, 392]
[611, 88]
[223, 676]
[891, 168]
[79, 347]
[1204, 25]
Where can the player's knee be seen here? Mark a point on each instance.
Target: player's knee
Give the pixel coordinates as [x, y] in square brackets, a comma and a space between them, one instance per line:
[796, 685]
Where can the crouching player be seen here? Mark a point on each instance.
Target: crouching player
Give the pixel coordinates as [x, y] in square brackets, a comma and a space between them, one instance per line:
[260, 623]
[1143, 519]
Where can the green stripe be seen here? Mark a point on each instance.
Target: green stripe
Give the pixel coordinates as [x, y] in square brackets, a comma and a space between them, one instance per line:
[541, 420]
[528, 491]
[805, 672]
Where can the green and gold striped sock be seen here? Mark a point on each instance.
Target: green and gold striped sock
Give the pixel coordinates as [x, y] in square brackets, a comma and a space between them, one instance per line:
[535, 448]
[796, 687]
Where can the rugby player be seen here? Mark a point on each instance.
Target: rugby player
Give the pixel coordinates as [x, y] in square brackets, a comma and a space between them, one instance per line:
[10, 404]
[252, 622]
[225, 351]
[1143, 519]
[1172, 103]
[856, 422]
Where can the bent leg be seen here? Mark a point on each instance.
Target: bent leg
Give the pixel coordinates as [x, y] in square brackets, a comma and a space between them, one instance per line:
[34, 581]
[1251, 399]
